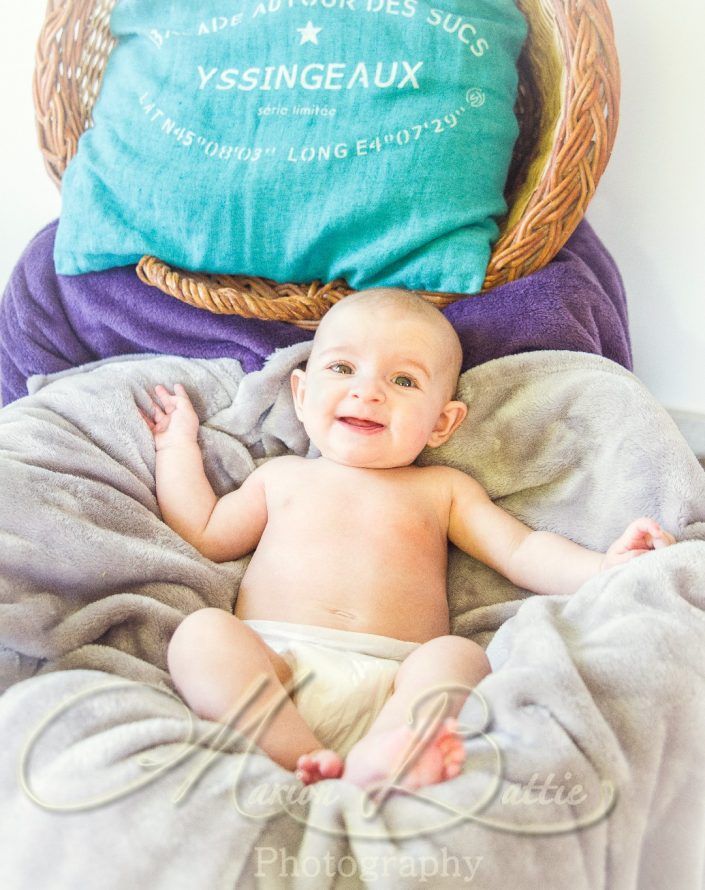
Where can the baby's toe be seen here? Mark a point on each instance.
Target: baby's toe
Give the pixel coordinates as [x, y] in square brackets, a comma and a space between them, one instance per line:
[305, 769]
[305, 762]
[453, 751]
[452, 770]
[322, 764]
[447, 737]
[451, 747]
[453, 762]
[330, 765]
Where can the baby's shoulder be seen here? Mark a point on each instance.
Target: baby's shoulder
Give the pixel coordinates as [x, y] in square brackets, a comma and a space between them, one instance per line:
[448, 482]
[436, 479]
[440, 473]
[285, 463]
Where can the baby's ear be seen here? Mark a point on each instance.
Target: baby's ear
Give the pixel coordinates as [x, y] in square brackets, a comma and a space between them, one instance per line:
[298, 385]
[450, 418]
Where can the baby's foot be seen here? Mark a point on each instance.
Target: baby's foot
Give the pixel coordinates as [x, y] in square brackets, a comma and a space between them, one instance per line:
[376, 758]
[320, 764]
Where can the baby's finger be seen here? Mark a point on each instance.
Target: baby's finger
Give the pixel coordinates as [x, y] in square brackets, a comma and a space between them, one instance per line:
[167, 399]
[157, 411]
[633, 539]
[645, 524]
[156, 399]
[147, 419]
[181, 395]
[632, 554]
[641, 533]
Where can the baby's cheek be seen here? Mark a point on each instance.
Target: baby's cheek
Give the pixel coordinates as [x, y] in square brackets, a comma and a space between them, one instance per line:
[418, 439]
[424, 432]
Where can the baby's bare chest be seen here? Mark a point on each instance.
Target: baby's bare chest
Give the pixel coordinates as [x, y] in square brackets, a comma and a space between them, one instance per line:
[372, 506]
[367, 551]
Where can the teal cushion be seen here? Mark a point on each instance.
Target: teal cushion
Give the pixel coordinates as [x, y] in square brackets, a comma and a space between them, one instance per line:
[362, 139]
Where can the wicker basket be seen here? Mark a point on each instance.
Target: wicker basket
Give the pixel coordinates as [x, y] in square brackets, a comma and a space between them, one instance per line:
[567, 108]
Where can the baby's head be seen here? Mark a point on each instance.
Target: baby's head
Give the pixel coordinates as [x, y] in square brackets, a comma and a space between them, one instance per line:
[380, 381]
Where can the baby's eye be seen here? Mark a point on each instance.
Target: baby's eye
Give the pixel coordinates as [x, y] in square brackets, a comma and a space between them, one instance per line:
[403, 380]
[340, 368]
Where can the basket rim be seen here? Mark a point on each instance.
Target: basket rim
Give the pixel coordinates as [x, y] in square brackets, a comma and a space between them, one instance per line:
[581, 141]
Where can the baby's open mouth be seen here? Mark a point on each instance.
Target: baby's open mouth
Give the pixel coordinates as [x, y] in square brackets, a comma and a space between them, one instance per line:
[361, 424]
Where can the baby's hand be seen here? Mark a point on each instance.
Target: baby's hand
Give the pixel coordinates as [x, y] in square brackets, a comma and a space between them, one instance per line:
[174, 421]
[639, 537]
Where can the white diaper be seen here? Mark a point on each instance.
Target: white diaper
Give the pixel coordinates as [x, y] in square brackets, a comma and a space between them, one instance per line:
[351, 675]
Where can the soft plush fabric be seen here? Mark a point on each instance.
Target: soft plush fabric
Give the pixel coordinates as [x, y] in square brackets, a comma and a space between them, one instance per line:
[49, 323]
[356, 139]
[596, 695]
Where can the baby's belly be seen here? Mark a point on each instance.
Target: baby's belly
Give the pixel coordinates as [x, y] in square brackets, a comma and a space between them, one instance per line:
[366, 594]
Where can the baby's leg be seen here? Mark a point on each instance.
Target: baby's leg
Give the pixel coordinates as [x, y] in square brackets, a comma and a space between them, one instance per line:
[441, 664]
[214, 658]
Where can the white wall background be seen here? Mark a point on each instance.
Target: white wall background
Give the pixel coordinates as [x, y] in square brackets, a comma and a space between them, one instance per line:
[650, 205]
[649, 209]
[28, 198]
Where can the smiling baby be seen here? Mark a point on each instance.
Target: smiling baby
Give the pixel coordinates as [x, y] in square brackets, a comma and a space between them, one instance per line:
[345, 594]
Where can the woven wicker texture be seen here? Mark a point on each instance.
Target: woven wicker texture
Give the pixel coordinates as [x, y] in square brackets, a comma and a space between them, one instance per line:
[567, 108]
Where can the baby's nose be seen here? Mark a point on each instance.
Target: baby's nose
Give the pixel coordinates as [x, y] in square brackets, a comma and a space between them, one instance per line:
[368, 388]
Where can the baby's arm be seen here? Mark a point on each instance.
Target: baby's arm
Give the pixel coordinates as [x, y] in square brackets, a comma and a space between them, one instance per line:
[221, 529]
[539, 561]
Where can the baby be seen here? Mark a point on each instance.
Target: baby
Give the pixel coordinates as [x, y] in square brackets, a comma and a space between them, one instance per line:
[346, 589]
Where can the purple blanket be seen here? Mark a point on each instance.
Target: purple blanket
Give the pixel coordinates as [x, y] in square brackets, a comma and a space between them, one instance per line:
[49, 323]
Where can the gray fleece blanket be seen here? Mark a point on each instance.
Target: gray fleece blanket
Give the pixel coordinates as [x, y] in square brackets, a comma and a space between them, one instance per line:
[585, 766]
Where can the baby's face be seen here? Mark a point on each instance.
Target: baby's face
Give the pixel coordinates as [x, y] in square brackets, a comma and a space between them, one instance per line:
[374, 390]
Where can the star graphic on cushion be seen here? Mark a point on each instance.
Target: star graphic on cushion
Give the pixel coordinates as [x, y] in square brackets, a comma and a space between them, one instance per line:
[309, 34]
